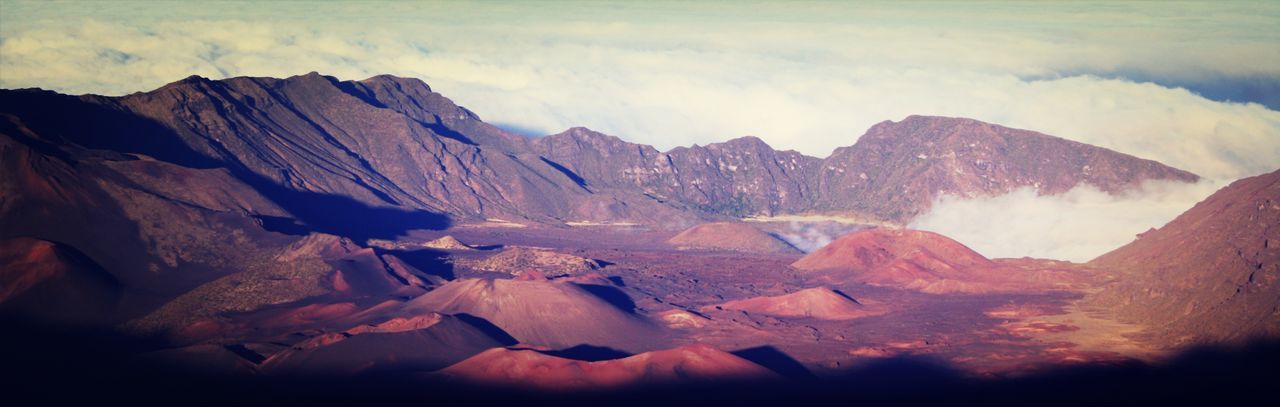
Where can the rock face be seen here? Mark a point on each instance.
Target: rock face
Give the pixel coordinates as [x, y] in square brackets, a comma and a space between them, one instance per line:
[546, 313]
[1211, 274]
[530, 369]
[931, 263]
[820, 303]
[730, 236]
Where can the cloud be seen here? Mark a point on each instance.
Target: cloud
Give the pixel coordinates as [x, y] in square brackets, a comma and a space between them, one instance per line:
[1078, 225]
[800, 75]
[811, 236]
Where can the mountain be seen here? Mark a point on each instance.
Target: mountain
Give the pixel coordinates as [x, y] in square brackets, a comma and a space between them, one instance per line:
[52, 282]
[817, 302]
[894, 172]
[423, 343]
[1211, 274]
[730, 236]
[546, 313]
[531, 369]
[200, 185]
[313, 145]
[159, 229]
[740, 177]
[897, 169]
[931, 263]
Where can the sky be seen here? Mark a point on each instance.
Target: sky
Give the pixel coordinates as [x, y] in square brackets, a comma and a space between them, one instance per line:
[1195, 85]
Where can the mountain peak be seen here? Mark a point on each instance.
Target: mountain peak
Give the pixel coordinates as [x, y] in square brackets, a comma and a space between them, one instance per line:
[398, 81]
[186, 82]
[746, 141]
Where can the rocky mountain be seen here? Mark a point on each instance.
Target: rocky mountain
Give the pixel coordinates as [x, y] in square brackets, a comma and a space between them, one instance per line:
[740, 177]
[1210, 274]
[313, 145]
[896, 169]
[894, 172]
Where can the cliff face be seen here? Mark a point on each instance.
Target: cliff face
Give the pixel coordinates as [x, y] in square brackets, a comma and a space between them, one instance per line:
[1213, 273]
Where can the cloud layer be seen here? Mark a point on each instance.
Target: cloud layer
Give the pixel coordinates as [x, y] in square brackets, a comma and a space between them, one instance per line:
[1077, 226]
[809, 76]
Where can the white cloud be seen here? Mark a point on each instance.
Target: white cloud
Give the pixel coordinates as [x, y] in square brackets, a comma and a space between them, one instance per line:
[1078, 225]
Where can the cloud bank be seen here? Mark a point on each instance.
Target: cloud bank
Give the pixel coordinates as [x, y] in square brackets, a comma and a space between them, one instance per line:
[1078, 225]
[809, 76]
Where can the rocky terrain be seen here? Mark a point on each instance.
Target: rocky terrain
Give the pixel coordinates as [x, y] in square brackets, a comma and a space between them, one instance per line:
[546, 262]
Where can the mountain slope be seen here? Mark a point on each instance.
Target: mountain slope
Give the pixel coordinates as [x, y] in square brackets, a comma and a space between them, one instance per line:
[1210, 274]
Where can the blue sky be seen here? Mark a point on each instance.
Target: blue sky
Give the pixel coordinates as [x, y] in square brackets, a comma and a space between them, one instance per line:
[1191, 84]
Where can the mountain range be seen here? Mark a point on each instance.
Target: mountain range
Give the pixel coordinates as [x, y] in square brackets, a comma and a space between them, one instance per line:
[286, 226]
[389, 142]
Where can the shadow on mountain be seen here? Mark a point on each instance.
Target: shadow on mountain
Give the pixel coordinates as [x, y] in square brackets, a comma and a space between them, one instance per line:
[588, 353]
[281, 224]
[612, 295]
[775, 360]
[340, 215]
[433, 262]
[493, 331]
[99, 126]
[40, 362]
[573, 176]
